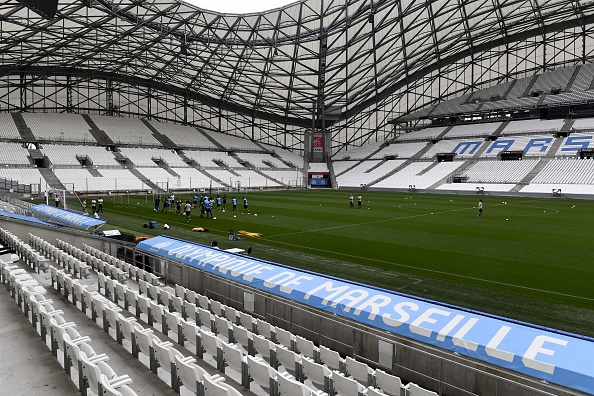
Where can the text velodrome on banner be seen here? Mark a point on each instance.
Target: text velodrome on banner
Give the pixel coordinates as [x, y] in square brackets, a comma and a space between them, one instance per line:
[496, 341]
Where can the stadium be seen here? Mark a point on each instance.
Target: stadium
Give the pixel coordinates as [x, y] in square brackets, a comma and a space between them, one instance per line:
[419, 175]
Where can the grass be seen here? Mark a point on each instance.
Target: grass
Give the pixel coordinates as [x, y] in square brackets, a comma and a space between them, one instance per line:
[526, 259]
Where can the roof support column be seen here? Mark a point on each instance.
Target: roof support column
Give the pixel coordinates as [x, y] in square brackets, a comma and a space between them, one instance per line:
[23, 92]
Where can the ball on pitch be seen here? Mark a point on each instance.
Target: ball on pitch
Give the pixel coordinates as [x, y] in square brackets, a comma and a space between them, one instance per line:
[234, 215]
[255, 214]
[214, 218]
[166, 226]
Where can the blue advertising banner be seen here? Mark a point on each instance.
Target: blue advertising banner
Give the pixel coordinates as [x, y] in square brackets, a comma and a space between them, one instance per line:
[66, 217]
[25, 218]
[320, 181]
[556, 357]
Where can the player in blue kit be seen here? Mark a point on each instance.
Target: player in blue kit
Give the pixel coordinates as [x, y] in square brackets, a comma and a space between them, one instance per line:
[245, 206]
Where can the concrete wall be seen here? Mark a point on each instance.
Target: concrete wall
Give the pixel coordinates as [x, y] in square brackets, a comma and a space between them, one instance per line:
[442, 371]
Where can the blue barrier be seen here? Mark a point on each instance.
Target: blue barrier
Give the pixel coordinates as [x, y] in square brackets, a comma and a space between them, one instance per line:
[66, 217]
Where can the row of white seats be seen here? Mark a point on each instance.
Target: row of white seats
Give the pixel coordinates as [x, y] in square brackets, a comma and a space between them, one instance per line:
[98, 259]
[14, 154]
[94, 372]
[299, 356]
[8, 129]
[286, 155]
[566, 171]
[27, 253]
[500, 171]
[224, 341]
[144, 157]
[166, 309]
[186, 311]
[59, 127]
[161, 354]
[90, 366]
[183, 136]
[61, 154]
[122, 130]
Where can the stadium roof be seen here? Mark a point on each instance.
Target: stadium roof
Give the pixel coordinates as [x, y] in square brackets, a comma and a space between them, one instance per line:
[347, 56]
[240, 6]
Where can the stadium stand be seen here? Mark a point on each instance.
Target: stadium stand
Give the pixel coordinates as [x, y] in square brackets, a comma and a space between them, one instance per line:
[539, 145]
[400, 150]
[496, 91]
[233, 142]
[481, 129]
[499, 171]
[109, 180]
[158, 175]
[232, 341]
[471, 187]
[532, 126]
[448, 146]
[566, 171]
[287, 177]
[251, 179]
[576, 189]
[287, 156]
[419, 174]
[341, 166]
[207, 159]
[8, 129]
[190, 178]
[143, 157]
[69, 155]
[367, 172]
[183, 136]
[22, 175]
[358, 153]
[554, 79]
[53, 127]
[127, 131]
[261, 160]
[14, 154]
[583, 124]
[319, 167]
[423, 134]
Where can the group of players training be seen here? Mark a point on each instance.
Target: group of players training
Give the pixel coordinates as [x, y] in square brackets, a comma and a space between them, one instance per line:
[205, 203]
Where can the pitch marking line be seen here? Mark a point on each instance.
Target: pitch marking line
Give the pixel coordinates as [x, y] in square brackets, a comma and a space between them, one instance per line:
[410, 266]
[361, 224]
[438, 272]
[396, 218]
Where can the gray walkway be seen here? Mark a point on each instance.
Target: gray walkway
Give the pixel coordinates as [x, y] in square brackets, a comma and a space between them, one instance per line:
[27, 366]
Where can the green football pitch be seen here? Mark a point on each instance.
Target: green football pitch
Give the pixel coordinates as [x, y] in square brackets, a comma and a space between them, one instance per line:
[526, 258]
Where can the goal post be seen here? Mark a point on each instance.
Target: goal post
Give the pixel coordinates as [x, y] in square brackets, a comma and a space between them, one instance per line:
[63, 195]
